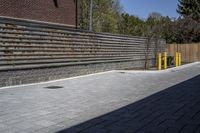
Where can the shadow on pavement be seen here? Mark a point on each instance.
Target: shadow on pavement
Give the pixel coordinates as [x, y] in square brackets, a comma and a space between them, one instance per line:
[173, 110]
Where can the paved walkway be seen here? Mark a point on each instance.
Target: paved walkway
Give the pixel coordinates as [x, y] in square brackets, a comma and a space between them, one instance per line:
[117, 101]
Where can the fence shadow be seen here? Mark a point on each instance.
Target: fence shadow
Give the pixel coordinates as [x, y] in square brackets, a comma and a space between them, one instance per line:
[173, 110]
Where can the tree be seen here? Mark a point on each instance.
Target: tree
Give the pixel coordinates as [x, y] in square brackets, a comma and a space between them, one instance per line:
[186, 30]
[83, 14]
[106, 15]
[132, 25]
[189, 8]
[155, 15]
[167, 29]
[91, 15]
[153, 33]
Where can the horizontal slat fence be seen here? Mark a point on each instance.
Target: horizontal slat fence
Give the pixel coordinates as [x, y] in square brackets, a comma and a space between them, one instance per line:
[27, 46]
[190, 52]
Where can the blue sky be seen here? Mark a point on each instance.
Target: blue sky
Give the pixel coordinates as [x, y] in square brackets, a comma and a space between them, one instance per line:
[142, 8]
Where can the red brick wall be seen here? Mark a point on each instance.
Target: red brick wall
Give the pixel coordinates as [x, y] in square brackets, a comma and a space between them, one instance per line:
[41, 10]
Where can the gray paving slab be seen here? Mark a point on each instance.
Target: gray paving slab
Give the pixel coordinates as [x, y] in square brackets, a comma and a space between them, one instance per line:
[116, 101]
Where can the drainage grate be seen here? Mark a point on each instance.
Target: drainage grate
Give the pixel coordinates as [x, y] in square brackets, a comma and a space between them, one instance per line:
[53, 87]
[122, 72]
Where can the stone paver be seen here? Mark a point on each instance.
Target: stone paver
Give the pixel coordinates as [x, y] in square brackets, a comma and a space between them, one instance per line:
[117, 101]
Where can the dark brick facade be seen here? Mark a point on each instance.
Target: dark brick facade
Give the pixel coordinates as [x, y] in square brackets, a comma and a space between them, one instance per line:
[55, 11]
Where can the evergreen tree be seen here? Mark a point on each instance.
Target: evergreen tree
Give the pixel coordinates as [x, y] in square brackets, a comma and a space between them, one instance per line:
[108, 16]
[132, 25]
[189, 8]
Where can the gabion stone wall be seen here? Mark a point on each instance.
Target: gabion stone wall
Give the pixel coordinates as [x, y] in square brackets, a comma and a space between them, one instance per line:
[33, 52]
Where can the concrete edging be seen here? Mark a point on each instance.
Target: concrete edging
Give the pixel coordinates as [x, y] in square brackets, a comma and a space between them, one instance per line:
[161, 71]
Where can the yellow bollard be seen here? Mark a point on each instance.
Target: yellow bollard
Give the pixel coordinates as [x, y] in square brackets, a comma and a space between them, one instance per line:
[179, 59]
[165, 60]
[177, 56]
[159, 61]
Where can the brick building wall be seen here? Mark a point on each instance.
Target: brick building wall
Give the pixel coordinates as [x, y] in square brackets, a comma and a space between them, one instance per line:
[55, 11]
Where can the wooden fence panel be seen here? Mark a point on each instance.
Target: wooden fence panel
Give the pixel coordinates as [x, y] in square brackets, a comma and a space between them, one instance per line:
[190, 52]
[195, 52]
[183, 53]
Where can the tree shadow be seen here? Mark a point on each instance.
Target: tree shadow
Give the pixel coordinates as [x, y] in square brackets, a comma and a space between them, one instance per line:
[173, 110]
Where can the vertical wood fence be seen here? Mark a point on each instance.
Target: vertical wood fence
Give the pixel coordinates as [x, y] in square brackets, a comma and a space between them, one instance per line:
[190, 52]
